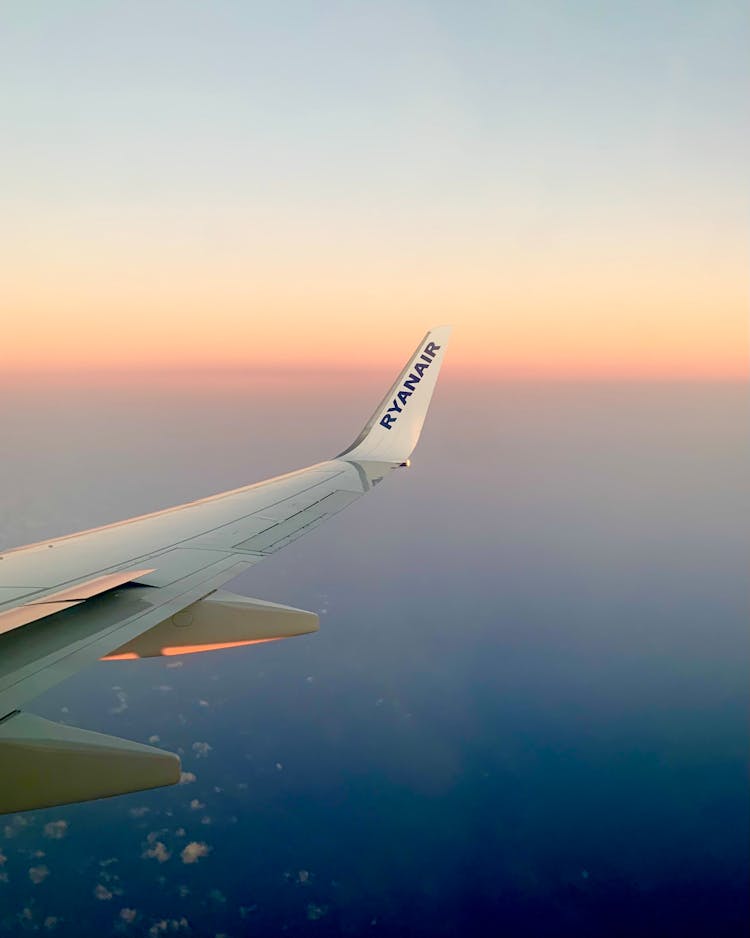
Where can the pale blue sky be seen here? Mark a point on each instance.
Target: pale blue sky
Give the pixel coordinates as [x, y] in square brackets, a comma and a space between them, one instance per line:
[397, 98]
[375, 142]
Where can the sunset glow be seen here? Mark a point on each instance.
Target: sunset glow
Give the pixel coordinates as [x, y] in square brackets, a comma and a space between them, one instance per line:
[172, 651]
[562, 191]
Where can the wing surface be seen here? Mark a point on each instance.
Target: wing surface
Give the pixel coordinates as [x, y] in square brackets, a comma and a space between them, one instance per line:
[69, 601]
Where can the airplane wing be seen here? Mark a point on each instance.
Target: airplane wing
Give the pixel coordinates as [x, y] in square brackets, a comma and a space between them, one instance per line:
[151, 585]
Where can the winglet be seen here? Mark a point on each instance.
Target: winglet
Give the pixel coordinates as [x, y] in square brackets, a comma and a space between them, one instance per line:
[392, 432]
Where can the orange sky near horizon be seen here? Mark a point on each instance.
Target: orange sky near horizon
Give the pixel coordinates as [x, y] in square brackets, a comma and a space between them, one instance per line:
[312, 187]
[631, 317]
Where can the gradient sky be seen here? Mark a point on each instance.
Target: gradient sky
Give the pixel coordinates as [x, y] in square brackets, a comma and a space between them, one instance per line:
[242, 184]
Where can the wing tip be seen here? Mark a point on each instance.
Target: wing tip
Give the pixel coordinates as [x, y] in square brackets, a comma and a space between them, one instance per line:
[393, 430]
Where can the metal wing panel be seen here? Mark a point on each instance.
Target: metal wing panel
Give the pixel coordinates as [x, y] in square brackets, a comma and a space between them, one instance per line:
[52, 564]
[43, 653]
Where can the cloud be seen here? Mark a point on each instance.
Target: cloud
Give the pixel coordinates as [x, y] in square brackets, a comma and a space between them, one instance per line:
[55, 830]
[201, 750]
[122, 701]
[3, 858]
[37, 874]
[139, 812]
[196, 805]
[16, 824]
[51, 922]
[157, 851]
[101, 892]
[194, 851]
[128, 915]
[171, 925]
[187, 777]
[154, 739]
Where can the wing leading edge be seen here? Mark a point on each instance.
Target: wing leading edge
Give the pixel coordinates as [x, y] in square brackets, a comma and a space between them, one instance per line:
[149, 571]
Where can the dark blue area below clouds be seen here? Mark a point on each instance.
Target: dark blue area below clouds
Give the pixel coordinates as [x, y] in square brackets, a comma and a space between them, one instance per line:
[524, 714]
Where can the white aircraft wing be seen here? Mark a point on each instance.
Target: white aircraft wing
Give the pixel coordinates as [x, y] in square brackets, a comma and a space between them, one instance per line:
[151, 586]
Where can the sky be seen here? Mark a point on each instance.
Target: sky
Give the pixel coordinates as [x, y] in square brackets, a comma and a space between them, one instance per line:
[233, 185]
[527, 701]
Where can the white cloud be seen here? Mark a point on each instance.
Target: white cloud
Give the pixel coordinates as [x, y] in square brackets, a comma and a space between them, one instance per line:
[194, 851]
[196, 805]
[122, 701]
[171, 925]
[187, 777]
[56, 830]
[139, 812]
[51, 922]
[128, 915]
[101, 892]
[154, 739]
[157, 851]
[201, 750]
[15, 825]
[37, 874]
